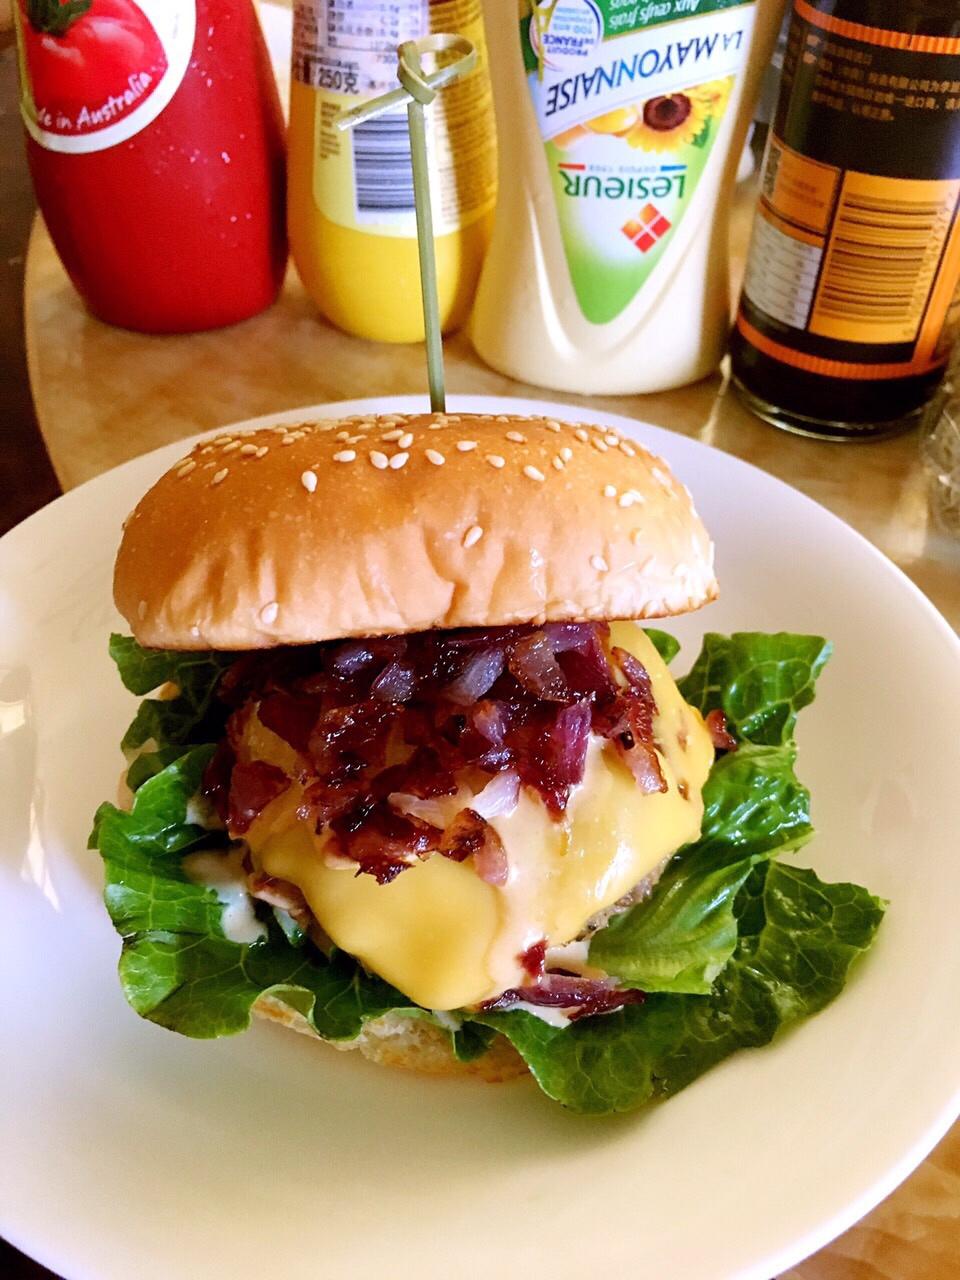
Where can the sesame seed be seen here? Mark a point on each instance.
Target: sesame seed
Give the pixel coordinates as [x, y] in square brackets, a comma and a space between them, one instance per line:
[289, 440]
[195, 631]
[626, 500]
[398, 460]
[220, 476]
[599, 444]
[559, 463]
[406, 440]
[379, 460]
[552, 424]
[502, 417]
[229, 448]
[390, 436]
[268, 614]
[496, 461]
[342, 435]
[345, 455]
[142, 610]
[582, 434]
[534, 473]
[207, 449]
[472, 536]
[609, 491]
[248, 450]
[450, 417]
[598, 563]
[435, 457]
[465, 446]
[309, 481]
[628, 449]
[661, 477]
[264, 449]
[223, 440]
[436, 426]
[612, 440]
[516, 437]
[187, 467]
[566, 453]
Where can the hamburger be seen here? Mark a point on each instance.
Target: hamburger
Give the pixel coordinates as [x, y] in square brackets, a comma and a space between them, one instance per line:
[418, 779]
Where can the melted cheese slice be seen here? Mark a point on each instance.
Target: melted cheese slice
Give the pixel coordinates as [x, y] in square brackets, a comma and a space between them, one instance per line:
[446, 938]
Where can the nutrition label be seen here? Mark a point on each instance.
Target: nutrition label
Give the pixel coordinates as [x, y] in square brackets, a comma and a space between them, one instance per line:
[856, 245]
[347, 51]
[351, 47]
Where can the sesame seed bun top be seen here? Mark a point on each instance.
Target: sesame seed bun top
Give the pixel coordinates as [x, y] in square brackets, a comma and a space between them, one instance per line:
[376, 525]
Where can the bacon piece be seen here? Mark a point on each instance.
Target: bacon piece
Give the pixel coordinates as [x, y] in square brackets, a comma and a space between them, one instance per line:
[643, 762]
[469, 835]
[252, 787]
[580, 996]
[553, 754]
[331, 797]
[716, 725]
[534, 957]
[359, 729]
[290, 718]
[628, 721]
[237, 725]
[422, 775]
[381, 841]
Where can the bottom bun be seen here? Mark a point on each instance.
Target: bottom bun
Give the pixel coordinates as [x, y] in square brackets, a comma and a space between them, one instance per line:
[397, 1040]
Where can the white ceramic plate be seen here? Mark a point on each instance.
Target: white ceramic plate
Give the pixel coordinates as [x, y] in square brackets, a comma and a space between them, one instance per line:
[128, 1151]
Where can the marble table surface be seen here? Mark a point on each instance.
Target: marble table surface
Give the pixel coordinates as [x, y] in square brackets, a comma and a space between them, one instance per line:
[104, 395]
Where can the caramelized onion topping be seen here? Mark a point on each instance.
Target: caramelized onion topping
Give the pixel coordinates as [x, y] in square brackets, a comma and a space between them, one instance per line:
[424, 715]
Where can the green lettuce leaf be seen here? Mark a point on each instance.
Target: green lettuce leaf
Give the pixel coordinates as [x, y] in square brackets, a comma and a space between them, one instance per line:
[758, 681]
[177, 968]
[194, 715]
[666, 645]
[472, 1041]
[685, 932]
[803, 936]
[680, 938]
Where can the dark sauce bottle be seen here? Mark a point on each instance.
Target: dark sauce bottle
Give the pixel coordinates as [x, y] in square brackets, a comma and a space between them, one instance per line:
[850, 303]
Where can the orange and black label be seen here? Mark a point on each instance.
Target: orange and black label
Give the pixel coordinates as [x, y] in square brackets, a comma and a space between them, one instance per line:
[855, 257]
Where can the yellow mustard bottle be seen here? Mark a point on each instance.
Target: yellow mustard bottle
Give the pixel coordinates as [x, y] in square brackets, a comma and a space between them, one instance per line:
[351, 212]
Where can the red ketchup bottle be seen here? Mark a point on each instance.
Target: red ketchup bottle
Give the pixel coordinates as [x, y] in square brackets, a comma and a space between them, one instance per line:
[156, 144]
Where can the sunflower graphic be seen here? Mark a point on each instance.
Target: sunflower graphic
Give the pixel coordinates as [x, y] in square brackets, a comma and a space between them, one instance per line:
[618, 122]
[715, 93]
[669, 122]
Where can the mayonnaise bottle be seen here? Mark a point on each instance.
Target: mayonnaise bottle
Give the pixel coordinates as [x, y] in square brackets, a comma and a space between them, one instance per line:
[620, 127]
[350, 206]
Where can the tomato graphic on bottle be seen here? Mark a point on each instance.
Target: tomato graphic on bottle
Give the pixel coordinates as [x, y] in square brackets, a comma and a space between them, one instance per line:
[156, 146]
[89, 61]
